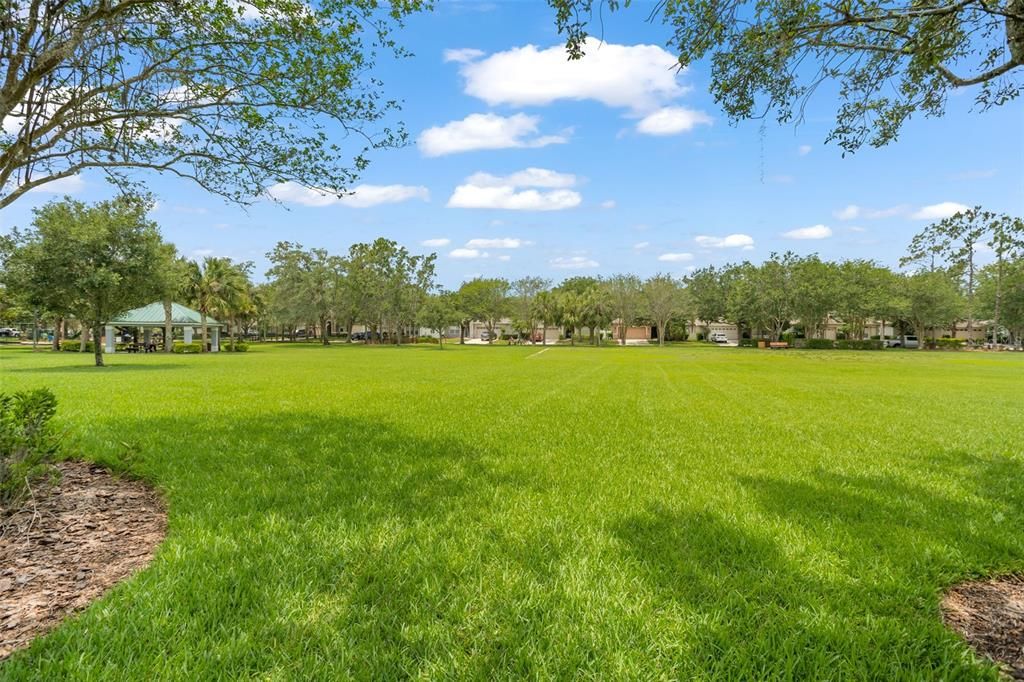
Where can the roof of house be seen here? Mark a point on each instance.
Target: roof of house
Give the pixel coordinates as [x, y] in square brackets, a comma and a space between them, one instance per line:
[153, 314]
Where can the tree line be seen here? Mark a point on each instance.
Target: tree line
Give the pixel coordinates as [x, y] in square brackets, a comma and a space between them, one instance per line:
[91, 263]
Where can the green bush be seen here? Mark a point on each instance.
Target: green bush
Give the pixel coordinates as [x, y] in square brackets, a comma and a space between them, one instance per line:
[749, 343]
[181, 347]
[819, 344]
[236, 347]
[856, 344]
[27, 442]
[949, 344]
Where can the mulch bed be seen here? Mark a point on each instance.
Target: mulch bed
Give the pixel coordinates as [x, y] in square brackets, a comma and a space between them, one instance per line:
[69, 544]
[989, 614]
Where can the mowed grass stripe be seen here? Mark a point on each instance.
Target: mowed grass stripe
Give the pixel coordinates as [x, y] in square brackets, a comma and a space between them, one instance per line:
[359, 512]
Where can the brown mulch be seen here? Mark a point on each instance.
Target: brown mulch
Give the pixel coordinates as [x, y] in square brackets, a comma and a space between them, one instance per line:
[989, 614]
[69, 544]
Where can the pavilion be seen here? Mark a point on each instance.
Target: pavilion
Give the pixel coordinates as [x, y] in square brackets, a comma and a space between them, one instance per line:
[151, 316]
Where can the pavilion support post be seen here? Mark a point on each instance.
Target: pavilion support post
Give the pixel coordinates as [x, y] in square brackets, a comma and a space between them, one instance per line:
[188, 334]
[108, 337]
[215, 340]
[147, 336]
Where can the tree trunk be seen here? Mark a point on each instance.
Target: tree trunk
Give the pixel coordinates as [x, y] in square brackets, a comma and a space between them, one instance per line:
[202, 317]
[323, 325]
[97, 347]
[168, 327]
[544, 332]
[56, 333]
[661, 332]
[999, 296]
[83, 338]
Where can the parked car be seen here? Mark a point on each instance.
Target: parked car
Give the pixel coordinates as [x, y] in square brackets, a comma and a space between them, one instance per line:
[487, 336]
[9, 331]
[908, 341]
[719, 337]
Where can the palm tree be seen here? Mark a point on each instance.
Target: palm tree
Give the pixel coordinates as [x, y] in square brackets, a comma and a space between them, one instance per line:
[212, 288]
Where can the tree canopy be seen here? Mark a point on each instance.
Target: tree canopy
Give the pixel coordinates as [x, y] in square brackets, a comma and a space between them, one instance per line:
[889, 58]
[233, 95]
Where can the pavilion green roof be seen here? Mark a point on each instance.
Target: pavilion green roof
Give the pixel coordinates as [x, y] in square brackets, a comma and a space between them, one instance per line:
[153, 315]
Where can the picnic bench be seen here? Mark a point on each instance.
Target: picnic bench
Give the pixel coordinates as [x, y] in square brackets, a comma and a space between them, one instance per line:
[778, 345]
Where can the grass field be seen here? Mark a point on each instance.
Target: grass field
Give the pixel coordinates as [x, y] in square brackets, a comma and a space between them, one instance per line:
[491, 513]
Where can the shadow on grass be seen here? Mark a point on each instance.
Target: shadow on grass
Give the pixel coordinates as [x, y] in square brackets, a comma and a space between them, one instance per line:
[106, 369]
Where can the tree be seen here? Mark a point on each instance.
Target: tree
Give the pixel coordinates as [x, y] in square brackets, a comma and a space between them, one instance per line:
[524, 312]
[440, 311]
[172, 280]
[709, 291]
[485, 299]
[815, 288]
[933, 301]
[1003, 287]
[663, 299]
[571, 305]
[231, 95]
[597, 311]
[211, 287]
[308, 282]
[545, 309]
[954, 241]
[761, 295]
[96, 261]
[624, 294]
[890, 58]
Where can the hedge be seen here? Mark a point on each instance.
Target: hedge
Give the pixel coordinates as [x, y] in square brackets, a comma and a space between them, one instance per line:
[856, 344]
[194, 347]
[819, 344]
[950, 344]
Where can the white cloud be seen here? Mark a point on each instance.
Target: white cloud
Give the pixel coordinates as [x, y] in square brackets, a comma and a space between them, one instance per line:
[483, 190]
[485, 131]
[853, 211]
[462, 55]
[855, 228]
[573, 263]
[635, 77]
[608, 204]
[732, 241]
[939, 211]
[504, 257]
[675, 257]
[501, 243]
[530, 177]
[812, 232]
[73, 184]
[362, 196]
[804, 149]
[467, 253]
[641, 245]
[440, 241]
[671, 121]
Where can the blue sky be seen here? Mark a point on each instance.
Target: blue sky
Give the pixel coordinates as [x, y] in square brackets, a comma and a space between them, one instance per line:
[636, 169]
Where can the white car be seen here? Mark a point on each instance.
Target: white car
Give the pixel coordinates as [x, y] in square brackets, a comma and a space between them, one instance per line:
[718, 337]
[909, 341]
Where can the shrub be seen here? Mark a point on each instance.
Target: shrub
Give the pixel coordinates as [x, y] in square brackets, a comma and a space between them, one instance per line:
[856, 344]
[819, 344]
[194, 347]
[27, 442]
[949, 344]
[236, 347]
[749, 343]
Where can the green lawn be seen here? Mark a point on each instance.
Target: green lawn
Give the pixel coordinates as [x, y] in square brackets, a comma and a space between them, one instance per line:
[688, 512]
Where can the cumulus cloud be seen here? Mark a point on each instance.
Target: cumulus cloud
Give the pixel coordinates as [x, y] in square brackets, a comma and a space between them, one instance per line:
[812, 232]
[462, 55]
[608, 204]
[483, 190]
[500, 243]
[672, 121]
[573, 263]
[938, 211]
[72, 184]
[486, 131]
[853, 211]
[675, 257]
[804, 149]
[467, 253]
[732, 241]
[439, 241]
[635, 77]
[362, 196]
